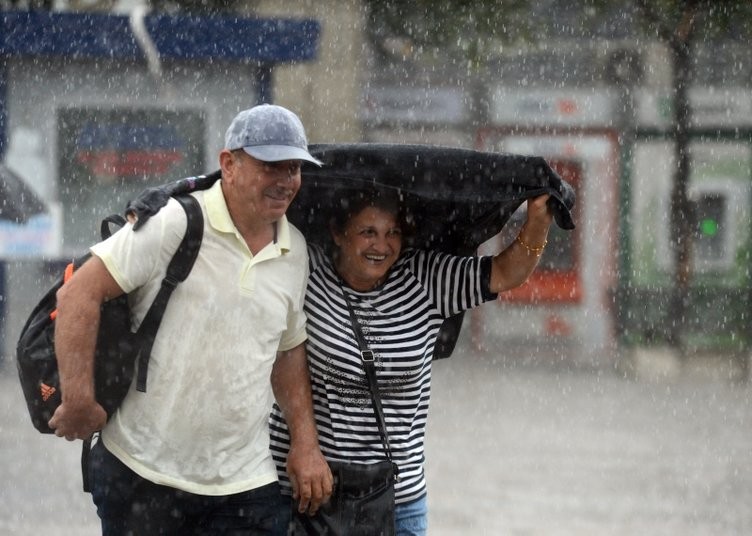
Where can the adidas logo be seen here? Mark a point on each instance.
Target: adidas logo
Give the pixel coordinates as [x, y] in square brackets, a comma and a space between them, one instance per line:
[47, 391]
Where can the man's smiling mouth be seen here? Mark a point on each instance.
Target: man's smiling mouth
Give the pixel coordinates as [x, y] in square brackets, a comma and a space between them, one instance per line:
[278, 195]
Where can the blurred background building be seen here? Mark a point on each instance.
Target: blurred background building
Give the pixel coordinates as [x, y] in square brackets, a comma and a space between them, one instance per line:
[99, 99]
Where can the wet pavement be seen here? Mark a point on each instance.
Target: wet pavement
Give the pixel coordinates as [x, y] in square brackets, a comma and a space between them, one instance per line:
[540, 451]
[512, 450]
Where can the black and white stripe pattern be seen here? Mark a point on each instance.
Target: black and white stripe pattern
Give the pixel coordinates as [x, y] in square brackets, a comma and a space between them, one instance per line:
[400, 321]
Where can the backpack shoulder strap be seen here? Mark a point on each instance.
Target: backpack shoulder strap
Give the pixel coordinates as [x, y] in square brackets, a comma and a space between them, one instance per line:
[113, 219]
[182, 262]
[178, 269]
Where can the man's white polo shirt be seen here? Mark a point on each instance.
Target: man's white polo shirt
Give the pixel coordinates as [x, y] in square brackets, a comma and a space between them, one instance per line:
[202, 425]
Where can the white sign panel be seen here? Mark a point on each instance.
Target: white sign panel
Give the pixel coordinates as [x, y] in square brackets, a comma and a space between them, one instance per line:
[723, 107]
[542, 107]
[438, 105]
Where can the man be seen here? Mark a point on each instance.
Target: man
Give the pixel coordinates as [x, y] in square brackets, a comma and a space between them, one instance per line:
[191, 455]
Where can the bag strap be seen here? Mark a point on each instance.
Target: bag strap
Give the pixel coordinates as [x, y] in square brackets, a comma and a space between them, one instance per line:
[367, 358]
[104, 229]
[178, 269]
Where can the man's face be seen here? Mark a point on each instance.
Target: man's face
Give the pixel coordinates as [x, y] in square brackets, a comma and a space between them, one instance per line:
[259, 190]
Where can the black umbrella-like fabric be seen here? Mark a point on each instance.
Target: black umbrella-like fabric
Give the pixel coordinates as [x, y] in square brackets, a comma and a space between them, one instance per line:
[458, 198]
[17, 202]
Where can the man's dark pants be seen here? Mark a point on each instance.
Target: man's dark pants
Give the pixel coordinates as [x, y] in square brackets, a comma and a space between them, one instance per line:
[130, 505]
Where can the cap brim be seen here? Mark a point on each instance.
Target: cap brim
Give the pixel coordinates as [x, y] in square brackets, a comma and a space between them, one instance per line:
[277, 153]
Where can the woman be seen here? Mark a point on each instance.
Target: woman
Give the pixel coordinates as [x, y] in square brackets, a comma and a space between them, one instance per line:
[400, 297]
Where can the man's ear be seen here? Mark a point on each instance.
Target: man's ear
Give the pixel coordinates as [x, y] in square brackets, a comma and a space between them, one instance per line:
[227, 164]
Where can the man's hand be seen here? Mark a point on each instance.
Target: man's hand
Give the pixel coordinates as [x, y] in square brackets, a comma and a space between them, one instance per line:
[151, 200]
[78, 421]
[311, 478]
[148, 203]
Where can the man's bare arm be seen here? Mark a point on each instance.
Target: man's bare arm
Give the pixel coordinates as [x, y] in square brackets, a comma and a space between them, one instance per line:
[309, 473]
[78, 311]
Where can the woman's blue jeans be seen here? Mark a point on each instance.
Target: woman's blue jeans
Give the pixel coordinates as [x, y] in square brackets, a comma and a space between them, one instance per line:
[411, 519]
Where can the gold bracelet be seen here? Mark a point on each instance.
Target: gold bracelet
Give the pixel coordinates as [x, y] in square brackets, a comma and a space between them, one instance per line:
[536, 251]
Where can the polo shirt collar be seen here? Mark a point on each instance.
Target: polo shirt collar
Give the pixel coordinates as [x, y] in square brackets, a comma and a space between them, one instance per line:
[219, 217]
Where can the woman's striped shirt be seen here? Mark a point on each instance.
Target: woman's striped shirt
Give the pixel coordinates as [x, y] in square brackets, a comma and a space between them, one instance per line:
[400, 321]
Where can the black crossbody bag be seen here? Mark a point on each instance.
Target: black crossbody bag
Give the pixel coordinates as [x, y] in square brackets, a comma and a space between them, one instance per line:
[362, 503]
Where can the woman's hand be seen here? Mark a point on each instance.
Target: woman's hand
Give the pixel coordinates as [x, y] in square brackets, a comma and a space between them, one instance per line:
[513, 266]
[539, 212]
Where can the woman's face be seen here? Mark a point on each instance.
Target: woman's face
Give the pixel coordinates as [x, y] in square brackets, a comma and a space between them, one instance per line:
[368, 247]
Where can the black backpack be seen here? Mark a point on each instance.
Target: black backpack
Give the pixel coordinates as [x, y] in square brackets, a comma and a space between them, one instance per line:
[117, 347]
